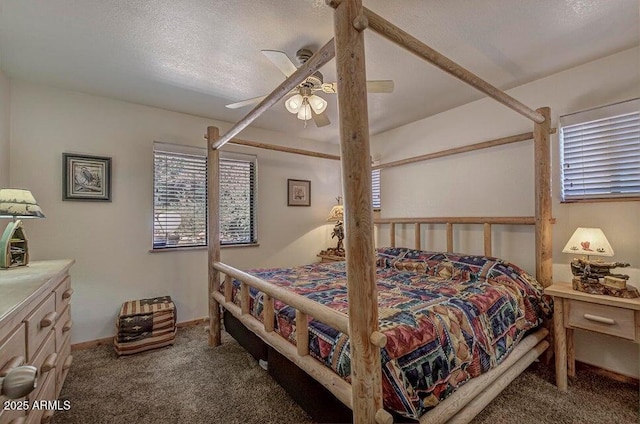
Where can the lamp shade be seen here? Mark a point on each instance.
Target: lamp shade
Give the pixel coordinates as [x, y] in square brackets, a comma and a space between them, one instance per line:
[304, 114]
[318, 104]
[588, 241]
[18, 203]
[336, 214]
[294, 103]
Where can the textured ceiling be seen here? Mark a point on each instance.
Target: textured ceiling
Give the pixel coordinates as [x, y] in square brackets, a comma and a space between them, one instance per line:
[196, 56]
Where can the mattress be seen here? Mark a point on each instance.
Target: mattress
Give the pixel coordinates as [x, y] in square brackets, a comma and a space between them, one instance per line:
[448, 318]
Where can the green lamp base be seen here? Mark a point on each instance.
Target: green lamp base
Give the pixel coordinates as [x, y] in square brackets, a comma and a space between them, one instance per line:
[14, 251]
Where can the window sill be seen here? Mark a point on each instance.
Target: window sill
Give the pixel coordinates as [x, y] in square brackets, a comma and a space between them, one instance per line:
[177, 249]
[234, 246]
[612, 199]
[187, 248]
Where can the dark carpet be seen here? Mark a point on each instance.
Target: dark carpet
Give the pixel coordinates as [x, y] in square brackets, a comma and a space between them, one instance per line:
[192, 383]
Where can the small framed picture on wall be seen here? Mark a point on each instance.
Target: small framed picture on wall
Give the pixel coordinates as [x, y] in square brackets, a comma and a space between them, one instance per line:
[86, 177]
[298, 193]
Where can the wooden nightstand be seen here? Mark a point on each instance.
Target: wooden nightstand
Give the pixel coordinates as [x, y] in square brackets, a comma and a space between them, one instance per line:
[610, 315]
[330, 258]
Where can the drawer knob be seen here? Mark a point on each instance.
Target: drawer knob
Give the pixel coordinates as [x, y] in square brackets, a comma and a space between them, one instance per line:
[48, 319]
[67, 362]
[602, 320]
[67, 293]
[14, 362]
[67, 326]
[19, 382]
[47, 416]
[49, 363]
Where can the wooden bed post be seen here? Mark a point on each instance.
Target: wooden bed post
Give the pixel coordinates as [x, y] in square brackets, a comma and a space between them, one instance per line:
[213, 196]
[542, 155]
[356, 170]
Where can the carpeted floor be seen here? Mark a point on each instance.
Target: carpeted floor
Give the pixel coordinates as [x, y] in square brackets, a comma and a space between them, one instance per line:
[191, 383]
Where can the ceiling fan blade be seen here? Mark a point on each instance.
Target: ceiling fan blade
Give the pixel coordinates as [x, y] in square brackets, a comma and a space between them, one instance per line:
[376, 86]
[281, 60]
[244, 103]
[330, 87]
[380, 86]
[321, 119]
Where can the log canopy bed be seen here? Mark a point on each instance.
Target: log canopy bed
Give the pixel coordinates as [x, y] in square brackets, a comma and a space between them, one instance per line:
[476, 320]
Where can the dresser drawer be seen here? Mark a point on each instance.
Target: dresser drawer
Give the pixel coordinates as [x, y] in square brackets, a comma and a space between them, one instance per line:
[603, 319]
[46, 393]
[63, 365]
[45, 361]
[39, 323]
[12, 349]
[13, 416]
[13, 353]
[63, 327]
[63, 294]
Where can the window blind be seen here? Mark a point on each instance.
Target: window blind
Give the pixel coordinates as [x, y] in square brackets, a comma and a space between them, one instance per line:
[600, 152]
[237, 199]
[375, 189]
[179, 196]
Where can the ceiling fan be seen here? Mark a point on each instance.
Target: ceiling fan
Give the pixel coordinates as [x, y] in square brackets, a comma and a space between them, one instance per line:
[304, 102]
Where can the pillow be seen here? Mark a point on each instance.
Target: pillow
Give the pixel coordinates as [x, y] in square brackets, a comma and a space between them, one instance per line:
[387, 256]
[413, 266]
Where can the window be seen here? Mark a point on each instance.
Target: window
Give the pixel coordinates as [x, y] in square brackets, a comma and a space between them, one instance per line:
[375, 189]
[237, 199]
[600, 153]
[180, 197]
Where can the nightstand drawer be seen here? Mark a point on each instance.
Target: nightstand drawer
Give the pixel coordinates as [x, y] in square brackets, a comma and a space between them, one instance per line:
[604, 319]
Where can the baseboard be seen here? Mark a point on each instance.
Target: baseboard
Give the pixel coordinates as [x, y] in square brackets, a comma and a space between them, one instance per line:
[109, 340]
[608, 373]
[92, 343]
[193, 322]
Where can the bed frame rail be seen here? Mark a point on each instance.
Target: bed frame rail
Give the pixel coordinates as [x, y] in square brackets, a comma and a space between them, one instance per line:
[484, 388]
[305, 308]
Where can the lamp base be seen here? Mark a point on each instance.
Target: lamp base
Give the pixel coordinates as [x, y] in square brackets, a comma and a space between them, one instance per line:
[608, 288]
[14, 251]
[332, 251]
[596, 269]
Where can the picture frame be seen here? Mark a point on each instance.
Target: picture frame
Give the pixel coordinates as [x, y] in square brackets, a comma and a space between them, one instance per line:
[86, 177]
[298, 192]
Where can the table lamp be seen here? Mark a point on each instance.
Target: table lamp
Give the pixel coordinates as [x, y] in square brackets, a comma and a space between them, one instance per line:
[16, 203]
[594, 276]
[589, 242]
[337, 215]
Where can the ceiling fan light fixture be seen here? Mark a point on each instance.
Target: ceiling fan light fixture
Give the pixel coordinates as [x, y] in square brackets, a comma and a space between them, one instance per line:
[294, 103]
[318, 104]
[305, 112]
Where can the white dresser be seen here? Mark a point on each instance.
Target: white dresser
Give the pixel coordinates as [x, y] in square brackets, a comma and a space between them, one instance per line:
[35, 328]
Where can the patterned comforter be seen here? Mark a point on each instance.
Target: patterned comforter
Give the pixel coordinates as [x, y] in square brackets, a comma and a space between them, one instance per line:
[447, 318]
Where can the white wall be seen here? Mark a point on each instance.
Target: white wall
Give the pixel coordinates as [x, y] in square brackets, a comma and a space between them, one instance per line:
[5, 108]
[111, 241]
[499, 181]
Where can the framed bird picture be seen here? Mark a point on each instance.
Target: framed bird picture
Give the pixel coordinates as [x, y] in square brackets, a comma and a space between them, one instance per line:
[86, 177]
